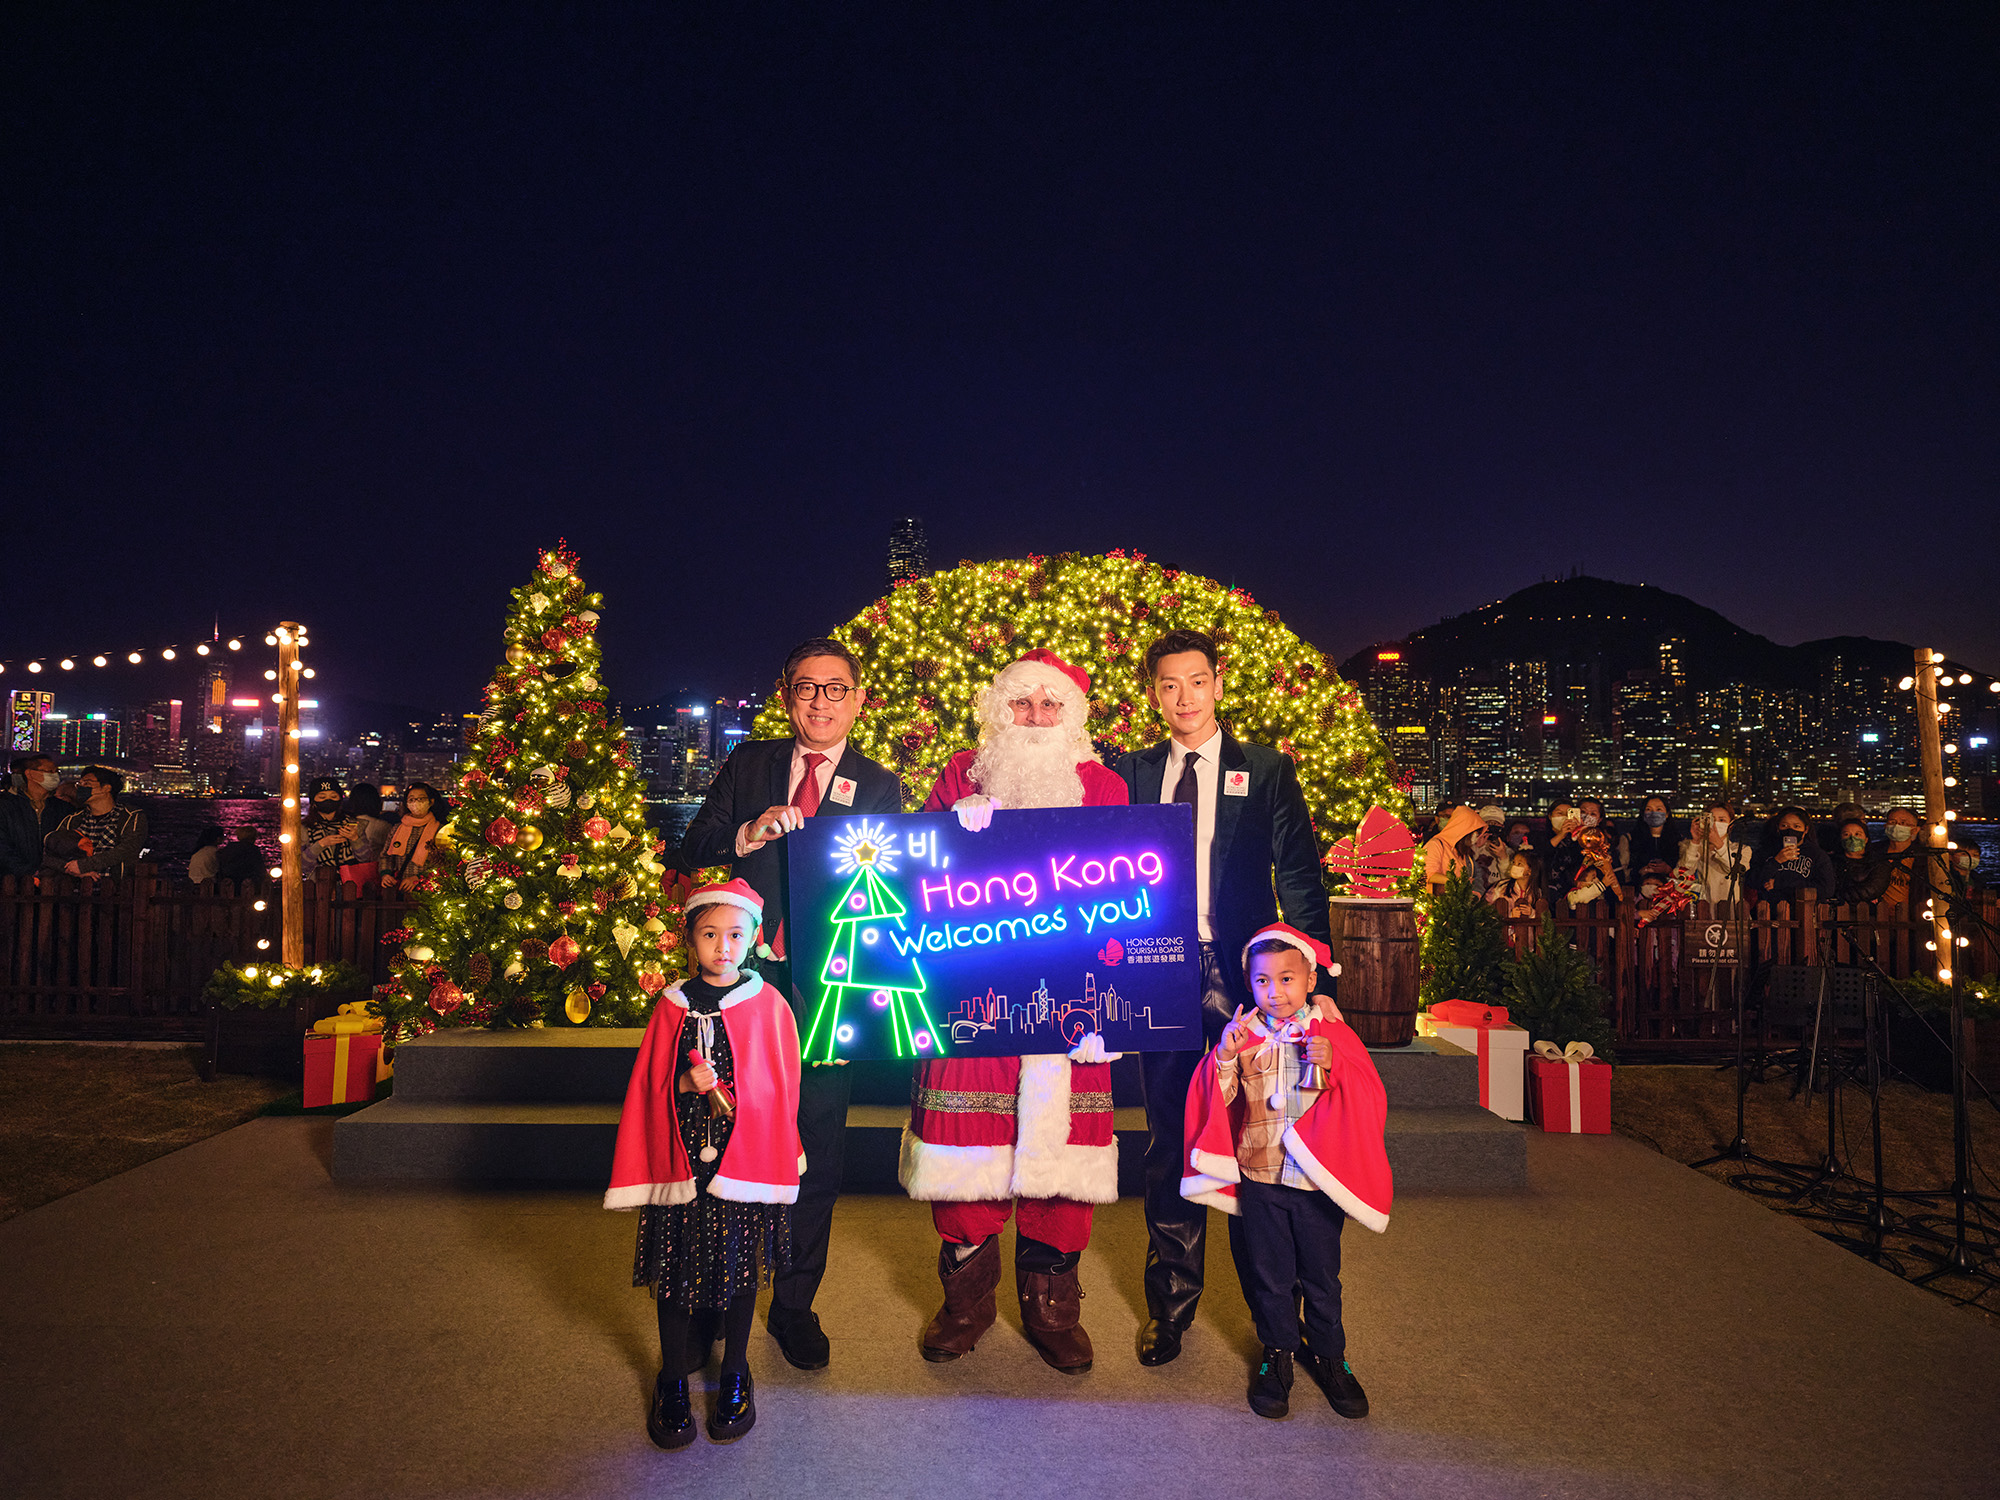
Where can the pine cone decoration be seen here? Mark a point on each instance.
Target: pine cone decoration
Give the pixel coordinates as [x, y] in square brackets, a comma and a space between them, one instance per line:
[479, 969]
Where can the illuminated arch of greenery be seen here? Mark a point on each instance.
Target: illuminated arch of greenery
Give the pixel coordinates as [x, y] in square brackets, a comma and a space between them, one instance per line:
[930, 646]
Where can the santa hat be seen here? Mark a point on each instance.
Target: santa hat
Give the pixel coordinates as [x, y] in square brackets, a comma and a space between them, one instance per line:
[1042, 656]
[736, 893]
[1316, 952]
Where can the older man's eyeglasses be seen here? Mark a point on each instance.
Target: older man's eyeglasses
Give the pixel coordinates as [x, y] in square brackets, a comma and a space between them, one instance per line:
[833, 692]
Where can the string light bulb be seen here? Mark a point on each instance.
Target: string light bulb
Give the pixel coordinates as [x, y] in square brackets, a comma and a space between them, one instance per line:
[134, 657]
[97, 661]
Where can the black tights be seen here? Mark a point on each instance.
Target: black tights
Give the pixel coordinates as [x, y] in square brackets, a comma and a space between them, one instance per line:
[736, 1320]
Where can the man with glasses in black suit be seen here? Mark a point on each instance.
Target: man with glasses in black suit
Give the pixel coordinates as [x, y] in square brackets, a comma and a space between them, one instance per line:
[765, 790]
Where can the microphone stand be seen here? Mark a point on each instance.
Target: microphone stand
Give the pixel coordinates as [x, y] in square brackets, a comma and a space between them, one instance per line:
[1738, 1148]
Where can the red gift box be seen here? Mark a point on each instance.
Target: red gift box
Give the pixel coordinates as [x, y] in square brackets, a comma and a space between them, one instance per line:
[341, 1069]
[1571, 1098]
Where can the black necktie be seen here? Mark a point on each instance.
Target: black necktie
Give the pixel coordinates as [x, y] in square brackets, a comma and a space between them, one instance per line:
[1187, 789]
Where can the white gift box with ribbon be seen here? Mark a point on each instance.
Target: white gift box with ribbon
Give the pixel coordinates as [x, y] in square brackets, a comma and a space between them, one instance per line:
[1502, 1052]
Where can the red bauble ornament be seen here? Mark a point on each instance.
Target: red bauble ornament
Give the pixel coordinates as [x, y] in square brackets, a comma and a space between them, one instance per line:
[563, 951]
[652, 983]
[446, 997]
[598, 828]
[595, 991]
[552, 639]
[501, 832]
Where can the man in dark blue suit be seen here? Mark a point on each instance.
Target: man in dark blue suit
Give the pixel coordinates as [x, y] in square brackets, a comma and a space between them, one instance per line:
[1256, 858]
[766, 789]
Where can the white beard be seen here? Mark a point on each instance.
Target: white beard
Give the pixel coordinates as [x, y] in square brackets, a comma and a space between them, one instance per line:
[1029, 768]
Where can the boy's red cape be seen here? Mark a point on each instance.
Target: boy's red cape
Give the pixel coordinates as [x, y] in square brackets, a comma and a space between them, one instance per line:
[1337, 1142]
[762, 1162]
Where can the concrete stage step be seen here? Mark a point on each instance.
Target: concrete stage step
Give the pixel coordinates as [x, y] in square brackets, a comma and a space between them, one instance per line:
[541, 1107]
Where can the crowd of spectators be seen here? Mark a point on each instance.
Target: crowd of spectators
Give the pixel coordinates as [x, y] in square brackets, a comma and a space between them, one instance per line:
[1577, 855]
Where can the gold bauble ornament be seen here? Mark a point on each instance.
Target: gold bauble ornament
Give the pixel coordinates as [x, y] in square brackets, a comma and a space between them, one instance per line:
[623, 935]
[530, 837]
[419, 952]
[576, 1005]
[513, 970]
[446, 834]
[655, 926]
[516, 655]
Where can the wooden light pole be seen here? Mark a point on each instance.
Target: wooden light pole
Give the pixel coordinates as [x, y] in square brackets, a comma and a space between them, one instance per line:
[292, 893]
[1936, 828]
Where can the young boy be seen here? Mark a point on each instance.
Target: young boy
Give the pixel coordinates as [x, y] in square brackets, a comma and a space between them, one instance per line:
[1284, 1129]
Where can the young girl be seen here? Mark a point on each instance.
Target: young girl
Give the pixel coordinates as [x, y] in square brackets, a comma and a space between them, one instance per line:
[708, 1152]
[1519, 893]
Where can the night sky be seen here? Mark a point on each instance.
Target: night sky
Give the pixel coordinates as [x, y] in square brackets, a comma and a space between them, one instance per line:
[338, 312]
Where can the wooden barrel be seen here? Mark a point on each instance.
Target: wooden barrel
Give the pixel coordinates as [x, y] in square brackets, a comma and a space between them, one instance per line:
[1375, 944]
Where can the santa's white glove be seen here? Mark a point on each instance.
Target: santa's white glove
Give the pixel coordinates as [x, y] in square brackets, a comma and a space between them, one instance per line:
[975, 812]
[1091, 1050]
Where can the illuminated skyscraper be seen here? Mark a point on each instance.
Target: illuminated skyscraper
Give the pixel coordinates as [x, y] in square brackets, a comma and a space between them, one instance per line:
[909, 550]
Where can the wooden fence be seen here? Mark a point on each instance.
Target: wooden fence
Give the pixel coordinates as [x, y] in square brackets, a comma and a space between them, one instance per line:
[1668, 992]
[128, 959]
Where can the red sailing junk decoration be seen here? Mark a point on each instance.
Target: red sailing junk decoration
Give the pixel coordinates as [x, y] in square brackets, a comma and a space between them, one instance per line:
[1381, 853]
[1682, 891]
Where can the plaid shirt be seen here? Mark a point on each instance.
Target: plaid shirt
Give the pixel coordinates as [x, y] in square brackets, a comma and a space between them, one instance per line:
[1258, 1072]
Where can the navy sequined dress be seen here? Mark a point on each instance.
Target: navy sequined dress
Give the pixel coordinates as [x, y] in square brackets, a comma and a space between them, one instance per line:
[707, 1252]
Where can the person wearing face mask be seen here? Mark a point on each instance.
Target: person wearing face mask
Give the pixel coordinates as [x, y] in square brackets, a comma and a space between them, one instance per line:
[1590, 815]
[1858, 875]
[117, 835]
[1964, 865]
[1658, 836]
[1719, 860]
[1520, 835]
[30, 810]
[1518, 892]
[327, 835]
[1563, 855]
[1903, 853]
[1453, 847]
[1789, 862]
[409, 846]
[1828, 833]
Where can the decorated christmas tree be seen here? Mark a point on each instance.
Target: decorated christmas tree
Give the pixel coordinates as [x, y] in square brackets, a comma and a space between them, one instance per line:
[544, 901]
[930, 645]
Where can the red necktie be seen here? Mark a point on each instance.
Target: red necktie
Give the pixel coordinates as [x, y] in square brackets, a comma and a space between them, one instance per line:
[806, 800]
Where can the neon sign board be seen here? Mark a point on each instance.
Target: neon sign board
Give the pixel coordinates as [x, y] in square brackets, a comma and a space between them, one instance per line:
[911, 937]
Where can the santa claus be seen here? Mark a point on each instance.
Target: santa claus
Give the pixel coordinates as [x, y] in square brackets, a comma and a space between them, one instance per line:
[990, 1136]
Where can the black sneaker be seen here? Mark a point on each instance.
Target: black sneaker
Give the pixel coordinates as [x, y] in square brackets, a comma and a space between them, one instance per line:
[1271, 1384]
[670, 1419]
[1336, 1378]
[735, 1409]
[799, 1335]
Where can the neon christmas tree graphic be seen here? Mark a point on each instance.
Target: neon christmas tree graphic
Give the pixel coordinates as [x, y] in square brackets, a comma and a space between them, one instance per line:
[864, 985]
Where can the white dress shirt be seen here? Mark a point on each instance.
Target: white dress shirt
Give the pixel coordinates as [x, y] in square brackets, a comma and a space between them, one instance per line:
[822, 774]
[1207, 782]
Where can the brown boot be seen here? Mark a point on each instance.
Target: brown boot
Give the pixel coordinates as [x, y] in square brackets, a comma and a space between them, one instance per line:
[968, 1309]
[1050, 1309]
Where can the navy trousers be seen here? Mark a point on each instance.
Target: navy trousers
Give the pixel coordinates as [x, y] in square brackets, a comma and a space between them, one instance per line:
[1289, 1248]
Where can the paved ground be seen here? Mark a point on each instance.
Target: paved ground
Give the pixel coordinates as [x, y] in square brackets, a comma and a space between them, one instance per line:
[225, 1321]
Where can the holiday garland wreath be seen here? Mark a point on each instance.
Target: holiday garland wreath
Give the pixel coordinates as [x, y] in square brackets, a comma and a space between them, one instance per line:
[930, 646]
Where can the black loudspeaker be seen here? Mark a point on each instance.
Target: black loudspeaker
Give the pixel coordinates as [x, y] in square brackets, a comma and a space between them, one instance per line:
[1794, 990]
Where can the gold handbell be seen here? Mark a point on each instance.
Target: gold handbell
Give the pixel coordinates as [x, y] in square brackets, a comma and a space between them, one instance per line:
[721, 1101]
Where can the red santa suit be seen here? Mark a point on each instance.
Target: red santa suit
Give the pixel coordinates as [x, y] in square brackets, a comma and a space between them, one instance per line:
[987, 1131]
[762, 1161]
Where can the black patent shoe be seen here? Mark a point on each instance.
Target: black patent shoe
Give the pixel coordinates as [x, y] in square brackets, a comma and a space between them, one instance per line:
[1159, 1342]
[735, 1409]
[1271, 1384]
[800, 1337]
[1336, 1379]
[670, 1420]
